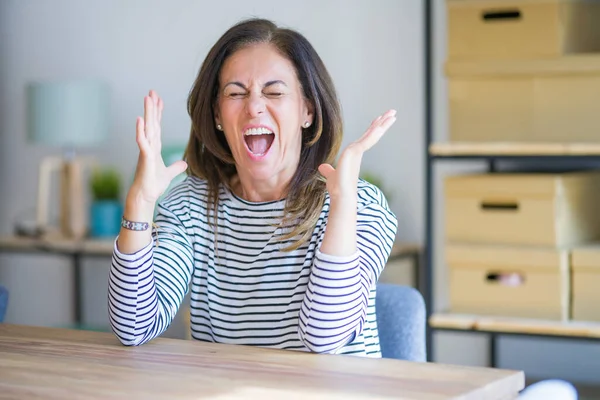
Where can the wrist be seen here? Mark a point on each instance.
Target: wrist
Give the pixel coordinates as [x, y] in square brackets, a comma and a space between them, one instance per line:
[344, 200]
[340, 236]
[138, 209]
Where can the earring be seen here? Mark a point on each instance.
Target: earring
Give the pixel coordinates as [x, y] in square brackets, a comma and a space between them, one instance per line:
[219, 127]
[306, 124]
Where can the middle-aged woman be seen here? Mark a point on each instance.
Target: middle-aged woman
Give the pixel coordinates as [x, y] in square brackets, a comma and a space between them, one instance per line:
[282, 247]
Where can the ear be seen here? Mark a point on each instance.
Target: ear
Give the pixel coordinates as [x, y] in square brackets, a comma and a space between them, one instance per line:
[217, 113]
[309, 112]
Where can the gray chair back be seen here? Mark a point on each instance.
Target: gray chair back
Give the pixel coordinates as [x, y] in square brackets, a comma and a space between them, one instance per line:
[401, 320]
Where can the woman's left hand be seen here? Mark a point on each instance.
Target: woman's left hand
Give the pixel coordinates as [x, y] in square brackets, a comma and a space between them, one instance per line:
[342, 180]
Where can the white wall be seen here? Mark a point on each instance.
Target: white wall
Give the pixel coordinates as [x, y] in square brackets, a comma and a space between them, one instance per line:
[372, 48]
[369, 47]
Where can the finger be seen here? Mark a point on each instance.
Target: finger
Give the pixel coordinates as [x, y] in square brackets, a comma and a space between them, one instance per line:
[375, 122]
[155, 116]
[378, 121]
[326, 170]
[154, 96]
[176, 168]
[148, 126]
[140, 136]
[372, 136]
[160, 110]
[390, 113]
[383, 119]
[385, 123]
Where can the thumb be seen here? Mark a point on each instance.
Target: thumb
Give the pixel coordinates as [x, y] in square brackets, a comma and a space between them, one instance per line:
[176, 168]
[326, 170]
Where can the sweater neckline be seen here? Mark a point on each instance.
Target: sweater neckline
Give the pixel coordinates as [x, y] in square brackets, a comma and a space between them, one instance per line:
[235, 198]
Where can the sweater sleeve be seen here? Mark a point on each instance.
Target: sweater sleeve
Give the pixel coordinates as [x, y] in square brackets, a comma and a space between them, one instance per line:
[334, 309]
[145, 289]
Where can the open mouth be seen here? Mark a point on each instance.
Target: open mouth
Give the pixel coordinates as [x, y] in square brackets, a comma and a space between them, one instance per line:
[259, 140]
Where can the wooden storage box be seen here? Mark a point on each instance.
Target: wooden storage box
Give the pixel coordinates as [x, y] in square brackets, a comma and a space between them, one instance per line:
[525, 282]
[552, 101]
[545, 209]
[586, 283]
[517, 29]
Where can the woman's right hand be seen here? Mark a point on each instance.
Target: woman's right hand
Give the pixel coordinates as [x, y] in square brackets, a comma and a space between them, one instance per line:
[151, 180]
[152, 176]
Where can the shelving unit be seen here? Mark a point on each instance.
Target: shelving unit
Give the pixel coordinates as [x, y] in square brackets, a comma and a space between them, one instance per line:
[495, 326]
[75, 249]
[513, 150]
[567, 156]
[570, 156]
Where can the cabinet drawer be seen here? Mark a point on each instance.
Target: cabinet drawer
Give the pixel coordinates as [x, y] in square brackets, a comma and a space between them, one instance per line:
[504, 29]
[555, 101]
[523, 209]
[586, 282]
[509, 281]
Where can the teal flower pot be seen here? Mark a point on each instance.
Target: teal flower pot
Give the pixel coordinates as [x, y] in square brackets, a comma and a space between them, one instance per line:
[105, 218]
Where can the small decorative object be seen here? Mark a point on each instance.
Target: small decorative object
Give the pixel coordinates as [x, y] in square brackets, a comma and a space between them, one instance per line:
[70, 115]
[106, 209]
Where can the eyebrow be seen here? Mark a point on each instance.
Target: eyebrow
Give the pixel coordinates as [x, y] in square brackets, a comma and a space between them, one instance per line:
[241, 85]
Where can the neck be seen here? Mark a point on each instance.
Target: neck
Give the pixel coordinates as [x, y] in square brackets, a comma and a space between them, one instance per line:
[259, 191]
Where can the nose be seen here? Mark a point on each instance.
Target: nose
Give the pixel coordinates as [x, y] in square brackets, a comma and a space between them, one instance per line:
[255, 104]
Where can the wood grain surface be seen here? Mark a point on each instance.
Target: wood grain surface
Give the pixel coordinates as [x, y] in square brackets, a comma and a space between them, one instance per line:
[56, 244]
[50, 363]
[585, 329]
[513, 149]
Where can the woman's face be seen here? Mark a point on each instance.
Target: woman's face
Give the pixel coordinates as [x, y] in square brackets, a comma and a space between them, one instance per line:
[262, 110]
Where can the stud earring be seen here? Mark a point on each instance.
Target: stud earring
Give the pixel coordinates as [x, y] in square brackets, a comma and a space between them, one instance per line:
[306, 124]
[219, 127]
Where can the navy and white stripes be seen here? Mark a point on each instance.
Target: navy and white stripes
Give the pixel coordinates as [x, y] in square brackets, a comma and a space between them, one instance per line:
[244, 289]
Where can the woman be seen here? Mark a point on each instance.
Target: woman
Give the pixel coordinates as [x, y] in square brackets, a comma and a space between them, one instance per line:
[281, 249]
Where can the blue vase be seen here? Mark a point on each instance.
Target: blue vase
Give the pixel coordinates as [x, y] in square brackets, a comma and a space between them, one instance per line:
[105, 218]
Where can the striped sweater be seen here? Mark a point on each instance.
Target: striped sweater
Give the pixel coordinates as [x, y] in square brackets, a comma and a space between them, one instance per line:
[244, 289]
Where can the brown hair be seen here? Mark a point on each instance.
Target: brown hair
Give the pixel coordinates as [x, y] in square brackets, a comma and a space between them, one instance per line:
[208, 154]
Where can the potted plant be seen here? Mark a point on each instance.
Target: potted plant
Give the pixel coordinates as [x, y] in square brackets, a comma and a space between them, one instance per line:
[106, 209]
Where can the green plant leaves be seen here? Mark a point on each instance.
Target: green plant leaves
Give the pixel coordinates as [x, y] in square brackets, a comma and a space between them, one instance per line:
[105, 184]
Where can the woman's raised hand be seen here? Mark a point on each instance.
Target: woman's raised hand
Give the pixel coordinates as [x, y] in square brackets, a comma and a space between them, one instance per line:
[152, 176]
[342, 180]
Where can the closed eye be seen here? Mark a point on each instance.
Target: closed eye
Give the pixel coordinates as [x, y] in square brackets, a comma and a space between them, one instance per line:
[236, 95]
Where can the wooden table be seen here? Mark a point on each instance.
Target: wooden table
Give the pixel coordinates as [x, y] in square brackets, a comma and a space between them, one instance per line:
[53, 363]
